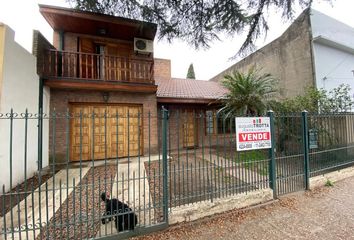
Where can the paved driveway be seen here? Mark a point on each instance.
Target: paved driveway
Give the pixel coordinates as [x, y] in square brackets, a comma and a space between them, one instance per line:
[325, 213]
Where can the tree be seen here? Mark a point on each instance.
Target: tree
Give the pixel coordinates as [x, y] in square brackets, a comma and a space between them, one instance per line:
[249, 92]
[199, 22]
[339, 99]
[190, 73]
[317, 100]
[309, 101]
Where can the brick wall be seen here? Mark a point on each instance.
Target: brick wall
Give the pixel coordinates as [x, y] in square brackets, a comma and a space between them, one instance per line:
[39, 46]
[162, 68]
[177, 117]
[70, 41]
[60, 101]
[56, 39]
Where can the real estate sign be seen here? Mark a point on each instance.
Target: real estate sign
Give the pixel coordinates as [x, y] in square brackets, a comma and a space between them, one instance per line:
[253, 133]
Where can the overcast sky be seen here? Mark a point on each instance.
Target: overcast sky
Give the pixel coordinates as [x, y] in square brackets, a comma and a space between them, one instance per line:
[23, 16]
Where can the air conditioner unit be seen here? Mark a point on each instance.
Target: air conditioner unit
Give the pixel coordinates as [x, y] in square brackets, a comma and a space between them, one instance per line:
[143, 45]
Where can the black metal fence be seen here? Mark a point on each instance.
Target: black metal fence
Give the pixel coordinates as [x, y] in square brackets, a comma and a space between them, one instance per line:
[331, 142]
[203, 161]
[151, 164]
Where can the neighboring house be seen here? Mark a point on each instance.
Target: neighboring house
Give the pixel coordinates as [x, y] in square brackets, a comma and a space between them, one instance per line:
[19, 90]
[192, 104]
[333, 47]
[316, 50]
[95, 66]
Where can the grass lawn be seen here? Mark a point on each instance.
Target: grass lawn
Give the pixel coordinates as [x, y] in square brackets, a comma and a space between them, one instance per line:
[256, 160]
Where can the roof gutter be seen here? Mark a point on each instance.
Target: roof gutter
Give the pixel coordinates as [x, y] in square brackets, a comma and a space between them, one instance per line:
[331, 43]
[187, 100]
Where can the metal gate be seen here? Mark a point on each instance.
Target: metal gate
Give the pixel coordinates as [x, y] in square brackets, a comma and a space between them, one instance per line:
[290, 169]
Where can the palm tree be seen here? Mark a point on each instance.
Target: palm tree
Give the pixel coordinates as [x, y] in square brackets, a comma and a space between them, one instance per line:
[249, 93]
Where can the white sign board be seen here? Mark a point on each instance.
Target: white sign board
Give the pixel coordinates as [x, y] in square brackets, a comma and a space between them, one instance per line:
[253, 133]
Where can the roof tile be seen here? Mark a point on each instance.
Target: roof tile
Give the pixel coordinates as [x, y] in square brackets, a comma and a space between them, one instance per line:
[189, 88]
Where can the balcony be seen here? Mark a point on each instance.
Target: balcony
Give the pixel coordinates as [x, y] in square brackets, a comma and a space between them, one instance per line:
[95, 68]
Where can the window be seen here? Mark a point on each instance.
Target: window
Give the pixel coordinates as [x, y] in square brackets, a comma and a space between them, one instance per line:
[226, 125]
[217, 124]
[210, 120]
[100, 49]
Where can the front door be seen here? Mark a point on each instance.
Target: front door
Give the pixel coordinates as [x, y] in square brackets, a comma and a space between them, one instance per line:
[105, 131]
[190, 129]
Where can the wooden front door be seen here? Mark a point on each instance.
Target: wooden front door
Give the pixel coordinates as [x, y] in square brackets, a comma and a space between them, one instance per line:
[190, 129]
[108, 133]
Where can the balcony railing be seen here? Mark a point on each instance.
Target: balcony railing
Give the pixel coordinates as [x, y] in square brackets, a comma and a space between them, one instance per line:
[89, 66]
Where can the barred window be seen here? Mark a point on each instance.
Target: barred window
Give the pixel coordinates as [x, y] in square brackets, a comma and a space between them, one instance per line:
[226, 125]
[209, 122]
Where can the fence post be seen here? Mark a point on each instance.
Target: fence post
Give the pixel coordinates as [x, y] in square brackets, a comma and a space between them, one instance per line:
[272, 163]
[164, 164]
[305, 138]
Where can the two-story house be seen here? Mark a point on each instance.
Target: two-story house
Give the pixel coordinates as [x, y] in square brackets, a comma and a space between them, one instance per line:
[94, 66]
[101, 70]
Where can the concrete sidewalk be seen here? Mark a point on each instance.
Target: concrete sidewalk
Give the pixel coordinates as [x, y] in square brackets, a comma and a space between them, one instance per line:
[134, 190]
[324, 213]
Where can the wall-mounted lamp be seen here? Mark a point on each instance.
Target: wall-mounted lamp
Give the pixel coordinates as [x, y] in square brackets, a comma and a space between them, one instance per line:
[102, 31]
[105, 96]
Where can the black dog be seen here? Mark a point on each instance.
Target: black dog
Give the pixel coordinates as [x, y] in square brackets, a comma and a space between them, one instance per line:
[123, 215]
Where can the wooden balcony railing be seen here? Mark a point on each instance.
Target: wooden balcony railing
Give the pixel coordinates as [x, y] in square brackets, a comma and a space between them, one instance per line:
[88, 66]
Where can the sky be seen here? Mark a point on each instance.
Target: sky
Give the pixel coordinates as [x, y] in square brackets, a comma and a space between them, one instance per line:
[23, 16]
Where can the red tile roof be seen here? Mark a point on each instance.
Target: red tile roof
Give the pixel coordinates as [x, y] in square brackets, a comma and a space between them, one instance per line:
[189, 88]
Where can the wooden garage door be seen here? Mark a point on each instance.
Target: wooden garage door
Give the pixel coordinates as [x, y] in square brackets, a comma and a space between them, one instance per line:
[113, 131]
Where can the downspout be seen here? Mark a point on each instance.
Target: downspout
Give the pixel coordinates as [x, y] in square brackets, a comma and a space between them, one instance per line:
[313, 65]
[40, 125]
[40, 104]
[61, 48]
[61, 40]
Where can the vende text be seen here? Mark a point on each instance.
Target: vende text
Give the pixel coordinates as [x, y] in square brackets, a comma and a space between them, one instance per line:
[249, 137]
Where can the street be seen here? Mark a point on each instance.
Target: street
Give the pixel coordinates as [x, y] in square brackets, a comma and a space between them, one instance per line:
[323, 213]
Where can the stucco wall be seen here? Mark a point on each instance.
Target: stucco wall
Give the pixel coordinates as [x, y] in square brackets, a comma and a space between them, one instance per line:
[19, 91]
[287, 58]
[333, 67]
[334, 56]
[323, 25]
[2, 39]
